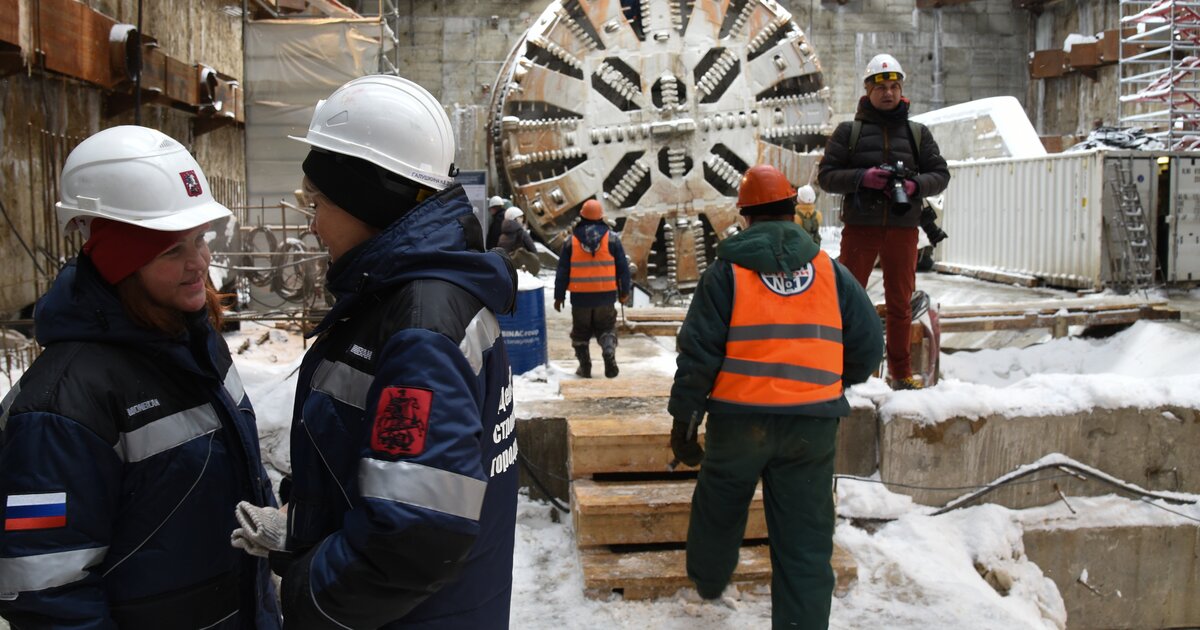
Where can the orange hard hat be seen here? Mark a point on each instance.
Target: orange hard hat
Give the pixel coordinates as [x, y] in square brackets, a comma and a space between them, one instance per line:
[592, 210]
[763, 184]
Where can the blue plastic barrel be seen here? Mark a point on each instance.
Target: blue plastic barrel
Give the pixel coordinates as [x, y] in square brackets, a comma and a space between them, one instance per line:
[524, 331]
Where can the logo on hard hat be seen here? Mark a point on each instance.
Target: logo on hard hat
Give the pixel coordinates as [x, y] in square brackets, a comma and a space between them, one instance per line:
[192, 183]
[786, 284]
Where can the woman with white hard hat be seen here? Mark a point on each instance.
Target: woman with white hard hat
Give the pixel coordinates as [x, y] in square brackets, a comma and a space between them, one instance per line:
[402, 504]
[130, 440]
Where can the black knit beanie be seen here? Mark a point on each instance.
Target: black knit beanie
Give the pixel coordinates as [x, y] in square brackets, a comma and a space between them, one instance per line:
[371, 194]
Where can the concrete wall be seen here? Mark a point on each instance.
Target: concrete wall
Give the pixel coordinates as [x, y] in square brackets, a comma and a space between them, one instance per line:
[1134, 445]
[455, 50]
[1141, 578]
[1071, 105]
[983, 48]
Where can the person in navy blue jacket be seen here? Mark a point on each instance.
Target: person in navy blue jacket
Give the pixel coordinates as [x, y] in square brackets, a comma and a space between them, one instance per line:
[593, 267]
[402, 507]
[128, 442]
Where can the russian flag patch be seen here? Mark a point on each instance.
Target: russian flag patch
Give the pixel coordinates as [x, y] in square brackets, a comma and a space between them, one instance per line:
[35, 511]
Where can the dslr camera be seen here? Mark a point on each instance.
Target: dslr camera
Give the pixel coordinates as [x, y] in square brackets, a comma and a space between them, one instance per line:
[895, 187]
[929, 225]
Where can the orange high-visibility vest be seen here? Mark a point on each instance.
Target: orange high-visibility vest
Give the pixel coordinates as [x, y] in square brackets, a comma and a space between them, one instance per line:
[592, 273]
[784, 346]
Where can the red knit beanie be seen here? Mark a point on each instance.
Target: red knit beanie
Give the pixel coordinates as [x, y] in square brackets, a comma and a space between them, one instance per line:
[118, 249]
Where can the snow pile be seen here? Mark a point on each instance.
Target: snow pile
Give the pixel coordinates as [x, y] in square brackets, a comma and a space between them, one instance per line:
[929, 572]
[1076, 38]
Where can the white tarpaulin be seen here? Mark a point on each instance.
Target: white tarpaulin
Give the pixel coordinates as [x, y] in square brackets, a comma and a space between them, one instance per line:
[995, 127]
[290, 65]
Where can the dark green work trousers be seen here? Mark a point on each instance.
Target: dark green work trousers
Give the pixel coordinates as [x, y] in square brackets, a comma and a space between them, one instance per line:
[794, 457]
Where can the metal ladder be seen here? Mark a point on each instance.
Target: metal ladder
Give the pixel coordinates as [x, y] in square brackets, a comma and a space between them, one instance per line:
[1130, 255]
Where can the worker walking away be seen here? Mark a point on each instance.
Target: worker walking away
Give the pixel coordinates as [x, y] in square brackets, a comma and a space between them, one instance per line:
[517, 243]
[884, 164]
[403, 499]
[776, 330]
[495, 221]
[807, 215]
[129, 442]
[592, 266]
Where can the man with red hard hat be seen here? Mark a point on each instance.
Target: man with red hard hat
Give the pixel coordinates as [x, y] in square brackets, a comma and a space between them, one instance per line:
[775, 332]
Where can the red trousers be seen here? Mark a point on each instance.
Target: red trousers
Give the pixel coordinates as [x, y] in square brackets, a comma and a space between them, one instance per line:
[896, 248]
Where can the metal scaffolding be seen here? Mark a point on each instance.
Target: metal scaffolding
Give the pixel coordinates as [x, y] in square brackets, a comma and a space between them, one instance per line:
[1159, 56]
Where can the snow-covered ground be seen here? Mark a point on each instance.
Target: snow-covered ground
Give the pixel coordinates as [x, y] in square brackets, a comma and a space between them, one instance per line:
[915, 572]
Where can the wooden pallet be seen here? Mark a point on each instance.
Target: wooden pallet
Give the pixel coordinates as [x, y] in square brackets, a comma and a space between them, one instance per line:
[653, 574]
[596, 388]
[631, 534]
[641, 513]
[639, 444]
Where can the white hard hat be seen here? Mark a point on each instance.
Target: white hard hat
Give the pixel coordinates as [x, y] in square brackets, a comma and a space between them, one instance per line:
[390, 122]
[134, 175]
[496, 201]
[806, 194]
[513, 214]
[884, 64]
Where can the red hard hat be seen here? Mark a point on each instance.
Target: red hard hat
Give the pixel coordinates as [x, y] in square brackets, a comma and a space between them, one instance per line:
[592, 210]
[763, 184]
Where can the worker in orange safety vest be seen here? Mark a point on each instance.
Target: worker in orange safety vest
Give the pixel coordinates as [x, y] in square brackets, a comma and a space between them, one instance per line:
[593, 267]
[775, 332]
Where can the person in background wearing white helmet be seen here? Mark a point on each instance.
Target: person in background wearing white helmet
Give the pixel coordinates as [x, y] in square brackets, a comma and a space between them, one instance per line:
[402, 506]
[517, 243]
[807, 215]
[593, 267]
[775, 333]
[130, 440]
[495, 220]
[875, 161]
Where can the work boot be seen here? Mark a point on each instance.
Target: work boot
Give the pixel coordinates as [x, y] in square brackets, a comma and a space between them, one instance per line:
[907, 382]
[585, 362]
[608, 350]
[610, 365]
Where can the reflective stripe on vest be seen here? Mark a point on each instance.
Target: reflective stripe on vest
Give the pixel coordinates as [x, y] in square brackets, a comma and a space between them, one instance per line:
[167, 433]
[592, 273]
[48, 570]
[422, 486]
[784, 346]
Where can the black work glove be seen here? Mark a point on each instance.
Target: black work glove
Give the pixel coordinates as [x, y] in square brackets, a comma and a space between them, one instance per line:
[684, 442]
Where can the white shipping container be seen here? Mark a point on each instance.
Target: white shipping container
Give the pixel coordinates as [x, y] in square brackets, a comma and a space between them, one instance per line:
[1045, 216]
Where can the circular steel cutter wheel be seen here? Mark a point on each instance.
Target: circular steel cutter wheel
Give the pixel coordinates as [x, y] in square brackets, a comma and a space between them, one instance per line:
[655, 108]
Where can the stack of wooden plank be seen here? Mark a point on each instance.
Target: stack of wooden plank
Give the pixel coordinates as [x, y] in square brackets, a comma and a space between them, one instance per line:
[658, 322]
[631, 513]
[1056, 315]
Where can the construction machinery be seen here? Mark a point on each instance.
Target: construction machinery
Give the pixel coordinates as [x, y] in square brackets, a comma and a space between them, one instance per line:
[655, 108]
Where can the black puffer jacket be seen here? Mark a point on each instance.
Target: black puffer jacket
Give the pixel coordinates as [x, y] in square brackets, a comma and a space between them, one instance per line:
[885, 139]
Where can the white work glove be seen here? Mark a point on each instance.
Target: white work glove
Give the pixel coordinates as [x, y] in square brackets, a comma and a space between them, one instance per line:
[263, 529]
